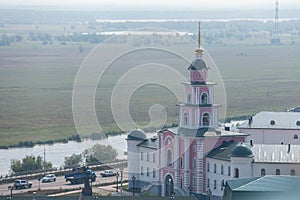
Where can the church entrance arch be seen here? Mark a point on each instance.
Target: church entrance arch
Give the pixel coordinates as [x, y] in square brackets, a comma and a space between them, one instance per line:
[169, 185]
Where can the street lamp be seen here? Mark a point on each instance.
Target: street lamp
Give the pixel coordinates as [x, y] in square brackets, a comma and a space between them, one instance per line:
[117, 180]
[11, 189]
[133, 181]
[190, 189]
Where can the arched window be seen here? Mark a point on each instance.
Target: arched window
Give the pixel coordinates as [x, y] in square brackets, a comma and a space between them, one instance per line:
[189, 98]
[204, 98]
[208, 166]
[262, 172]
[293, 172]
[295, 136]
[169, 157]
[236, 173]
[185, 119]
[194, 163]
[142, 170]
[205, 119]
[181, 162]
[222, 185]
[277, 172]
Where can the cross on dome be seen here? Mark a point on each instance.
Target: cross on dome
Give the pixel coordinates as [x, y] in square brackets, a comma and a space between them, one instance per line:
[199, 51]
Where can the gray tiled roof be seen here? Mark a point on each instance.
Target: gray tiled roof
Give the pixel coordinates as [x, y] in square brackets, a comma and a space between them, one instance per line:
[203, 132]
[149, 143]
[262, 153]
[197, 64]
[223, 152]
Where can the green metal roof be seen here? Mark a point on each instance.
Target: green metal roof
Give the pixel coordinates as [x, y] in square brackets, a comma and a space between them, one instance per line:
[263, 188]
[265, 183]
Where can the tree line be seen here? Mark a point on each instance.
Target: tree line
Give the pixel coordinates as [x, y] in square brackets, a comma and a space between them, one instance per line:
[97, 154]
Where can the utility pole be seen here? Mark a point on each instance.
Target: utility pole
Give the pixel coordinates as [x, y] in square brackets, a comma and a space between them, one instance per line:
[44, 157]
[121, 184]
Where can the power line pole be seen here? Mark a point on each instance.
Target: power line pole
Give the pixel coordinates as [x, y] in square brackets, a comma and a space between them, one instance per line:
[276, 19]
[275, 38]
[44, 157]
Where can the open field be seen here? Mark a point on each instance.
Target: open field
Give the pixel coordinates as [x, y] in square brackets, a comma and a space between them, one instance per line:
[36, 83]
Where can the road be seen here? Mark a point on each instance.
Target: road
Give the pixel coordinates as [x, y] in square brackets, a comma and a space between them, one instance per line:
[60, 183]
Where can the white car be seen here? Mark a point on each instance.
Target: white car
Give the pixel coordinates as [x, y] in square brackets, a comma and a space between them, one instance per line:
[108, 173]
[49, 178]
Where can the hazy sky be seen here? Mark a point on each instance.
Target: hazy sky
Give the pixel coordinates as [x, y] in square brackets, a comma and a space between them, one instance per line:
[213, 4]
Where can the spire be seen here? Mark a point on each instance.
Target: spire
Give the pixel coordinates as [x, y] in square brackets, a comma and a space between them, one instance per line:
[199, 51]
[199, 35]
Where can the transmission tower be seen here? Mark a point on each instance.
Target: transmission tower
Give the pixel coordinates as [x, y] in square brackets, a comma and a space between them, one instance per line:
[275, 39]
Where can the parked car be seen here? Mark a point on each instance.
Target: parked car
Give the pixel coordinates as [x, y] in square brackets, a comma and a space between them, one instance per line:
[22, 184]
[107, 173]
[297, 109]
[49, 178]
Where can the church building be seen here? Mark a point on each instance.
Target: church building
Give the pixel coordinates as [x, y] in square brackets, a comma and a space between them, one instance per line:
[173, 163]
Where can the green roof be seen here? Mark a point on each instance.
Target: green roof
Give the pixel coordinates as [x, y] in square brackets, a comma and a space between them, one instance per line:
[263, 188]
[241, 150]
[267, 183]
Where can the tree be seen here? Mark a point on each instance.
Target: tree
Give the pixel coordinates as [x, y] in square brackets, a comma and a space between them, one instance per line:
[73, 161]
[100, 154]
[29, 163]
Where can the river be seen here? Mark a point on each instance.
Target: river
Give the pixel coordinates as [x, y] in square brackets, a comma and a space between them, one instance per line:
[56, 152]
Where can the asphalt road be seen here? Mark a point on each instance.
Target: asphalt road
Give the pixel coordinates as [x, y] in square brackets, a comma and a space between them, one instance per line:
[60, 183]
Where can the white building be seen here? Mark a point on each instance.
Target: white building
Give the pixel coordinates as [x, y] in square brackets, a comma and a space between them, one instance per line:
[142, 160]
[272, 128]
[234, 160]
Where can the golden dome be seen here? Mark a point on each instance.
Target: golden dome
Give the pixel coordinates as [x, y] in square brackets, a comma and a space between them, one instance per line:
[199, 51]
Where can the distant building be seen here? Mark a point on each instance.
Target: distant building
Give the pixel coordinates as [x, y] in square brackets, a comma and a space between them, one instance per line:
[272, 128]
[262, 188]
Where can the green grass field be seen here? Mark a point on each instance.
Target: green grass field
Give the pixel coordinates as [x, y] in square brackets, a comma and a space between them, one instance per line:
[36, 83]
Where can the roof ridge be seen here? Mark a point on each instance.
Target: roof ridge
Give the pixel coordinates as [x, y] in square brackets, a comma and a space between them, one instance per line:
[251, 182]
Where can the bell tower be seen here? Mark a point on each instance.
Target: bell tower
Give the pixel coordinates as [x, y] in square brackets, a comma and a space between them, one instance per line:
[198, 109]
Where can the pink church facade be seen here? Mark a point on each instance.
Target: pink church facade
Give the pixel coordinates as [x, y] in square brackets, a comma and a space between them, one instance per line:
[182, 150]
